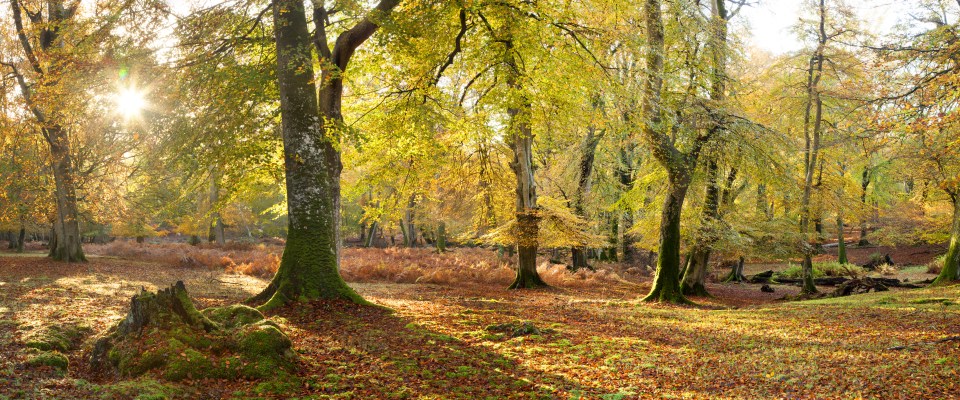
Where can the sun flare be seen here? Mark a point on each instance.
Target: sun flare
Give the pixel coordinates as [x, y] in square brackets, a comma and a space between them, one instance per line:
[130, 102]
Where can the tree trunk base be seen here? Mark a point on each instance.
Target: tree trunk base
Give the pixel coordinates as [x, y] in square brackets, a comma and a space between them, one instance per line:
[696, 290]
[664, 295]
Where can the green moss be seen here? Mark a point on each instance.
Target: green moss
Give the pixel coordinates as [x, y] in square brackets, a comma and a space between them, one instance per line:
[233, 315]
[190, 364]
[139, 389]
[60, 337]
[54, 359]
[309, 270]
[263, 339]
[134, 362]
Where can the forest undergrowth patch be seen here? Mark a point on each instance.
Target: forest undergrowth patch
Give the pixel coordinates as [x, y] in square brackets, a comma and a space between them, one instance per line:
[595, 341]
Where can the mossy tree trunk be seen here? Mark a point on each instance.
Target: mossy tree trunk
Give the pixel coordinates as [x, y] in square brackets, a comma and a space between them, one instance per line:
[950, 273]
[666, 281]
[695, 275]
[442, 237]
[309, 268]
[694, 278]
[736, 272]
[666, 284]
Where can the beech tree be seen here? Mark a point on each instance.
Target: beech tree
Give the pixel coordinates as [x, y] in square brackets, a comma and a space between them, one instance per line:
[309, 268]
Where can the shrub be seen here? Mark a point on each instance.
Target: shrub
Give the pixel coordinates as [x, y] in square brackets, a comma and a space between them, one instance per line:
[887, 269]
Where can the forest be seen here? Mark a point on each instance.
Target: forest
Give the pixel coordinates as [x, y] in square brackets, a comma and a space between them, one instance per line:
[479, 199]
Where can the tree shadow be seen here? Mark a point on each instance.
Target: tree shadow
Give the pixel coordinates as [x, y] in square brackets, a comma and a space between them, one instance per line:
[372, 351]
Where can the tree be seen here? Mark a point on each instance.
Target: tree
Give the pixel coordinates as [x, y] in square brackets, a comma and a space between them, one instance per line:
[695, 274]
[309, 268]
[679, 164]
[65, 241]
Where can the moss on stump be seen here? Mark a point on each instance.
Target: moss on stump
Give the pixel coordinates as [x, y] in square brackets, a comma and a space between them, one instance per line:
[165, 333]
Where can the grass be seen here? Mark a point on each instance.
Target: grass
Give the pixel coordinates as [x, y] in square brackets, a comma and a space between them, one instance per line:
[595, 341]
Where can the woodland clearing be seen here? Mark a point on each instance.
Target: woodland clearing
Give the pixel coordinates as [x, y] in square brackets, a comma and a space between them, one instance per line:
[594, 338]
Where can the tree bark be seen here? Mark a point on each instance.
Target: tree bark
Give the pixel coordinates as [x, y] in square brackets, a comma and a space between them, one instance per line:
[950, 272]
[309, 268]
[218, 230]
[841, 244]
[588, 151]
[521, 142]
[812, 148]
[67, 224]
[67, 246]
[442, 237]
[666, 281]
[410, 233]
[694, 278]
[21, 239]
[864, 184]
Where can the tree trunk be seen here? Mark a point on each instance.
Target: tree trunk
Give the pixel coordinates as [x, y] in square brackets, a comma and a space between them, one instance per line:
[625, 171]
[951, 261]
[584, 174]
[695, 276]
[21, 239]
[812, 148]
[403, 232]
[527, 276]
[309, 268]
[666, 282]
[521, 141]
[442, 237]
[67, 225]
[218, 233]
[841, 244]
[410, 238]
[370, 235]
[736, 273]
[864, 184]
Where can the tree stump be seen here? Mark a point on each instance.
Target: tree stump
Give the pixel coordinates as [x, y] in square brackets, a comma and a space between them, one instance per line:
[165, 332]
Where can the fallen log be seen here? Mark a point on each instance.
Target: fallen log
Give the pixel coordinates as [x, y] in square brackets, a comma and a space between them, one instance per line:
[768, 277]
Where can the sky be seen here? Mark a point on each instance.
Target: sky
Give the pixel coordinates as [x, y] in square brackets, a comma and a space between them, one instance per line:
[771, 22]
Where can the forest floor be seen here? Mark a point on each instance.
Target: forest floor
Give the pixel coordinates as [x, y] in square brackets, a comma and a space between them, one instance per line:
[596, 339]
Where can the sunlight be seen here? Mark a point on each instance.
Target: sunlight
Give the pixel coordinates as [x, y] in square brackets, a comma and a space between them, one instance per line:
[130, 102]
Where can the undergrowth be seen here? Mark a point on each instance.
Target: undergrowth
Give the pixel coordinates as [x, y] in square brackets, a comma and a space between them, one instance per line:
[825, 269]
[397, 265]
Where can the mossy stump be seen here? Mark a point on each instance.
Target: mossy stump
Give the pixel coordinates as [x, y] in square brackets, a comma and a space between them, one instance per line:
[165, 333]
